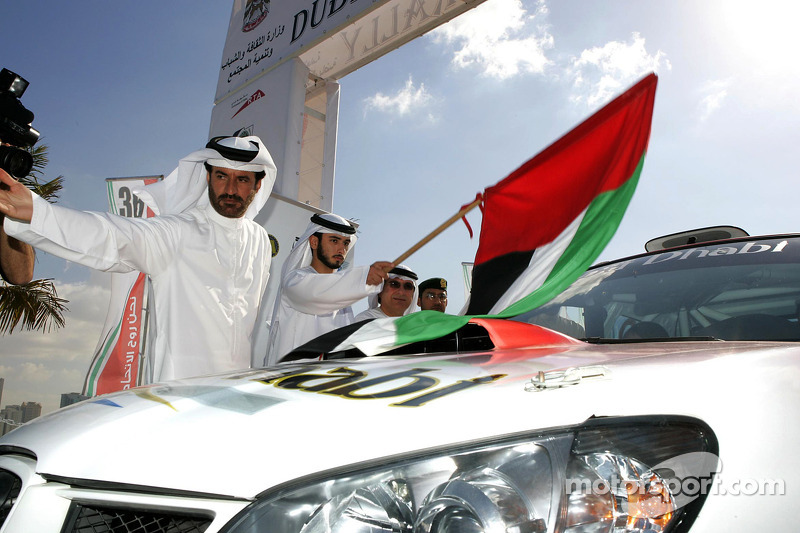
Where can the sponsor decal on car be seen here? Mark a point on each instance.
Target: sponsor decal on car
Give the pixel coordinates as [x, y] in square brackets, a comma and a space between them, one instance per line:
[354, 384]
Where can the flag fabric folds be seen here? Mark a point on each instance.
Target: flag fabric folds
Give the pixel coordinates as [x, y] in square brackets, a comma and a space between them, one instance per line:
[544, 224]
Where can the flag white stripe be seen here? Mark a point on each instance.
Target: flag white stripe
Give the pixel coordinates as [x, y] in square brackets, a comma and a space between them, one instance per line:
[543, 260]
[375, 337]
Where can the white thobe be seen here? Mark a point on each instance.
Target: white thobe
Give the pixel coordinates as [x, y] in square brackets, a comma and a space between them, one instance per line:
[374, 312]
[208, 275]
[312, 304]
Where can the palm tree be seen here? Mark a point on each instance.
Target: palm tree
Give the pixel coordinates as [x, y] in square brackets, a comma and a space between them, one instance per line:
[35, 305]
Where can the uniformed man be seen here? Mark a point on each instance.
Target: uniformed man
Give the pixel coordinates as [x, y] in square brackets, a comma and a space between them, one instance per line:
[433, 295]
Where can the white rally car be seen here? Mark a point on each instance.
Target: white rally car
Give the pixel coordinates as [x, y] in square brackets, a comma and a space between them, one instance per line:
[662, 395]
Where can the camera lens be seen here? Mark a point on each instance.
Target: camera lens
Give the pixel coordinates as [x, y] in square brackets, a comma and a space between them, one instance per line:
[15, 161]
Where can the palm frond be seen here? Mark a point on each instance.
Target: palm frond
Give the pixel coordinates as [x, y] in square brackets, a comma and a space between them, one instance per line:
[49, 189]
[40, 159]
[35, 305]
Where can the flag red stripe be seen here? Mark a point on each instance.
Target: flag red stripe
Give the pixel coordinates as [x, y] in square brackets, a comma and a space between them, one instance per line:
[533, 205]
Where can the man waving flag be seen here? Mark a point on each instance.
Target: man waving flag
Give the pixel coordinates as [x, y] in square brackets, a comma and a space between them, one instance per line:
[543, 225]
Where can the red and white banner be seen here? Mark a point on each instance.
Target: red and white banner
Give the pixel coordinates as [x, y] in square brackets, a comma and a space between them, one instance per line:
[118, 360]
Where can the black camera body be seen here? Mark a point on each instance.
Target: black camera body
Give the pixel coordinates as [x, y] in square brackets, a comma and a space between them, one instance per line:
[15, 126]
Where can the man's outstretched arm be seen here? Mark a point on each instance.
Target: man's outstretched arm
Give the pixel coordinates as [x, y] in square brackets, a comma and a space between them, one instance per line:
[16, 257]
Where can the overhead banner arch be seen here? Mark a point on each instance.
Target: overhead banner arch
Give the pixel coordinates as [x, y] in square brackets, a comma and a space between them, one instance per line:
[279, 73]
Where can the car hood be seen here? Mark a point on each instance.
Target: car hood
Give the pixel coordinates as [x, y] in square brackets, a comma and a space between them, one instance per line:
[240, 434]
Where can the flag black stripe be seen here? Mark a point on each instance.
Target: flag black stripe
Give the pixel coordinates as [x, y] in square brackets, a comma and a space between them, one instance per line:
[324, 343]
[491, 280]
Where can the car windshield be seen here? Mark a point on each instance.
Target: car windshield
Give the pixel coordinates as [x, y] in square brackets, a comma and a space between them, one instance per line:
[742, 290]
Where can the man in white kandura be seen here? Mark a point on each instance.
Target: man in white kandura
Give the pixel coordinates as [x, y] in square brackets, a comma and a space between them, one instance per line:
[396, 298]
[317, 287]
[208, 261]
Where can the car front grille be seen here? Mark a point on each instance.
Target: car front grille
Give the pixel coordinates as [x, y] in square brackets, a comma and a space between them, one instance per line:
[10, 485]
[93, 519]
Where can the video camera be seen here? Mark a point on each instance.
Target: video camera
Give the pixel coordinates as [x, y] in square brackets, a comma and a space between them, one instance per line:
[15, 126]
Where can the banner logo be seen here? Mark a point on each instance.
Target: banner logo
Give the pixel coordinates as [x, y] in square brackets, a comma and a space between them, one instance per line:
[255, 96]
[254, 14]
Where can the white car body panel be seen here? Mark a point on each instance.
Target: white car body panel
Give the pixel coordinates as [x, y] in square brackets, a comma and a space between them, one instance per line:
[184, 437]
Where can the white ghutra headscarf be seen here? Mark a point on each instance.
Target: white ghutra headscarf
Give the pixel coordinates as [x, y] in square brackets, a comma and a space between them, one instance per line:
[301, 253]
[401, 272]
[186, 186]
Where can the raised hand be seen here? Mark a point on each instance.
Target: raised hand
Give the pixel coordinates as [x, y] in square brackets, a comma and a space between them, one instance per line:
[16, 201]
[378, 272]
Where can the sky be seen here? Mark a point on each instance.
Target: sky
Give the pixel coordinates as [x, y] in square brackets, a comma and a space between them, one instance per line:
[127, 89]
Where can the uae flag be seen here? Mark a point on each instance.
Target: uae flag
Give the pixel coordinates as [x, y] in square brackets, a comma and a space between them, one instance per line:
[547, 222]
[543, 225]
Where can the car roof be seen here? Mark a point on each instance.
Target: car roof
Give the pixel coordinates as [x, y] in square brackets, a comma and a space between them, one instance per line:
[694, 236]
[676, 243]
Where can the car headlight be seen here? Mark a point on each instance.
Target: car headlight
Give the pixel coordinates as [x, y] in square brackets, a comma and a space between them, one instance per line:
[607, 475]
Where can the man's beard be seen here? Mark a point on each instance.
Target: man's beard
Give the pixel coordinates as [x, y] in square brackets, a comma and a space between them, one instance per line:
[230, 211]
[326, 260]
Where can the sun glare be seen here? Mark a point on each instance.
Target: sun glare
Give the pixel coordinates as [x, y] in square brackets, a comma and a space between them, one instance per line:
[762, 34]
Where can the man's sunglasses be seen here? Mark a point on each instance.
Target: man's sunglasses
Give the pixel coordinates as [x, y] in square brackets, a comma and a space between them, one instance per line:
[394, 284]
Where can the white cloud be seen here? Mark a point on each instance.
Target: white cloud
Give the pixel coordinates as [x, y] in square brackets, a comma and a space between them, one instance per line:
[87, 307]
[66, 375]
[90, 300]
[40, 366]
[403, 102]
[490, 37]
[713, 94]
[602, 72]
[33, 373]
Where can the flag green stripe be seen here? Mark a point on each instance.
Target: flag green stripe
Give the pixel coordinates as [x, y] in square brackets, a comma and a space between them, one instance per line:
[600, 222]
[598, 226]
[424, 325]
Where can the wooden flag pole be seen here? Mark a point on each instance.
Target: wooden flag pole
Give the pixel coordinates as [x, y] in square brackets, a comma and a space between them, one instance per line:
[449, 222]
